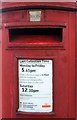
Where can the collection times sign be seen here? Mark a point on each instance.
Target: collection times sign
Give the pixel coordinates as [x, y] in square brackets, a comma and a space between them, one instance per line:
[35, 85]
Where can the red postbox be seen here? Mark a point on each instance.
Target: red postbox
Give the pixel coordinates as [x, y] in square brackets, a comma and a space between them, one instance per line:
[38, 60]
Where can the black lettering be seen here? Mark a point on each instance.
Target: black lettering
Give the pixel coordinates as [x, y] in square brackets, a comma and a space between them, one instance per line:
[22, 69]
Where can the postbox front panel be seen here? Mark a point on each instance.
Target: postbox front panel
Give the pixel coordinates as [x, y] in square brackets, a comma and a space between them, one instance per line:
[38, 57]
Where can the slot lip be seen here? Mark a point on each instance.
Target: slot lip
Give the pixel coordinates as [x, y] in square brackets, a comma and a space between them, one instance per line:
[36, 46]
[41, 45]
[35, 24]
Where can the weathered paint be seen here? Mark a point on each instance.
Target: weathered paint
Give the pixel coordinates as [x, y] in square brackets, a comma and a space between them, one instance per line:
[62, 52]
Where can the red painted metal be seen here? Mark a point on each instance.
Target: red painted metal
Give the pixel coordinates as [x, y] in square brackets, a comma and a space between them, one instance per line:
[62, 52]
[76, 64]
[0, 66]
[37, 4]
